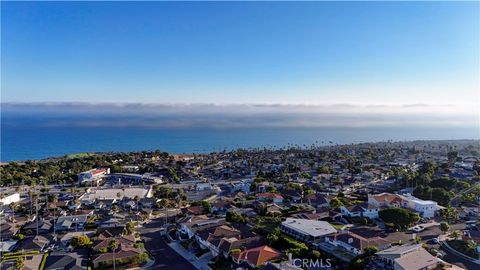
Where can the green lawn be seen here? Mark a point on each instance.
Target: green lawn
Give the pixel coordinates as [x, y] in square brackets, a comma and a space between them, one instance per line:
[337, 226]
[80, 155]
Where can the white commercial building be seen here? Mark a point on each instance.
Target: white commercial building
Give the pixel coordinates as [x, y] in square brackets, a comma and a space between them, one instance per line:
[11, 198]
[116, 194]
[306, 229]
[93, 176]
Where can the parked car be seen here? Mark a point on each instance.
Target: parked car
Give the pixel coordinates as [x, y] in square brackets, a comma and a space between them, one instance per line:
[417, 228]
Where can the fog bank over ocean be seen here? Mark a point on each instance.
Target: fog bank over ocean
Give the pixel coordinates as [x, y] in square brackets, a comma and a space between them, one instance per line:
[36, 131]
[234, 115]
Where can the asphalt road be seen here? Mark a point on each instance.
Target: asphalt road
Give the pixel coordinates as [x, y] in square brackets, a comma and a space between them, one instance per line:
[165, 257]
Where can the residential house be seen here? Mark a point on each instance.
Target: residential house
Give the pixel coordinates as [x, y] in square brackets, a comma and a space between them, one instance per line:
[226, 245]
[254, 257]
[211, 237]
[407, 257]
[220, 207]
[111, 221]
[387, 200]
[66, 261]
[122, 253]
[7, 230]
[317, 200]
[103, 233]
[273, 208]
[360, 210]
[270, 197]
[7, 246]
[102, 242]
[31, 262]
[293, 195]
[194, 210]
[44, 227]
[34, 243]
[191, 224]
[425, 208]
[67, 238]
[243, 185]
[355, 244]
[74, 223]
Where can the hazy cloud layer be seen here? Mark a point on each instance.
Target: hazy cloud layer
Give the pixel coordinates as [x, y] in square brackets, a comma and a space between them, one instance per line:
[233, 115]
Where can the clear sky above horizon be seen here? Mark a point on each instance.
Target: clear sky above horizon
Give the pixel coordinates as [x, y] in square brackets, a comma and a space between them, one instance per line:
[269, 52]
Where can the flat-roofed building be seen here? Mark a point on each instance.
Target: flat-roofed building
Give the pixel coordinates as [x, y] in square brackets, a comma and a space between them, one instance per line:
[115, 194]
[306, 229]
[7, 199]
[93, 176]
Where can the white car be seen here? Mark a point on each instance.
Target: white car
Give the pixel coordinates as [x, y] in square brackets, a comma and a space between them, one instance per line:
[418, 228]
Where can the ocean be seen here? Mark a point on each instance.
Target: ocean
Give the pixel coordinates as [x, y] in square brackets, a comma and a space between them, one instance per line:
[25, 143]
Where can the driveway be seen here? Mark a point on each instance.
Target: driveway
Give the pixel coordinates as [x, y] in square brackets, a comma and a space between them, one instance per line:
[201, 264]
[165, 257]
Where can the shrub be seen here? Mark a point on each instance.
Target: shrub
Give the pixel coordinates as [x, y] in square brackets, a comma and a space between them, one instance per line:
[81, 241]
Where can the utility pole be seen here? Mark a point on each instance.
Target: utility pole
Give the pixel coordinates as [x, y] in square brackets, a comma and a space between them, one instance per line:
[36, 211]
[54, 206]
[166, 216]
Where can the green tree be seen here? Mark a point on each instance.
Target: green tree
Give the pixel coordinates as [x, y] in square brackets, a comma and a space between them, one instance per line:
[336, 203]
[370, 251]
[130, 228]
[449, 214]
[235, 217]
[19, 236]
[452, 157]
[273, 236]
[456, 234]
[359, 262]
[444, 226]
[81, 241]
[399, 216]
[323, 170]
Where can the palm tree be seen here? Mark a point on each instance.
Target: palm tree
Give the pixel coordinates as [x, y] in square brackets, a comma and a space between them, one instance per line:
[14, 207]
[456, 234]
[54, 200]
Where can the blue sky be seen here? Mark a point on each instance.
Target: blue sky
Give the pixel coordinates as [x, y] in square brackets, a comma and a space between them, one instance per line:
[287, 53]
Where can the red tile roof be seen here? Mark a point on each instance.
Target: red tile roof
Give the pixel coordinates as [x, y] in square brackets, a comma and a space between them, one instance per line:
[269, 195]
[257, 256]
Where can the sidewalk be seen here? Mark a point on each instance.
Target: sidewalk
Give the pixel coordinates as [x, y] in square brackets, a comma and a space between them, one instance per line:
[149, 264]
[199, 264]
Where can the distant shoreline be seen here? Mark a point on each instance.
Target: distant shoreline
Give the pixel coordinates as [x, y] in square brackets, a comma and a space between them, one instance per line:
[411, 143]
